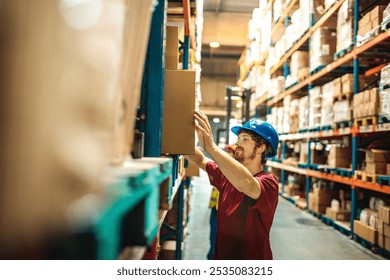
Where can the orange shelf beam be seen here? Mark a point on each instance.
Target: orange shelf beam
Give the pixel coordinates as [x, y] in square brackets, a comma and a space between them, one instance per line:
[287, 167]
[371, 186]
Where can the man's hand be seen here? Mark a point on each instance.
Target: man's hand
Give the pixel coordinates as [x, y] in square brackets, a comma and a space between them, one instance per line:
[203, 130]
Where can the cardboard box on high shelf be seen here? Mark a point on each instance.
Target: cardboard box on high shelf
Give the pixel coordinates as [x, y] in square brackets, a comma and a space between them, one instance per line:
[377, 13]
[378, 156]
[337, 87]
[178, 127]
[372, 108]
[172, 48]
[375, 168]
[374, 95]
[388, 169]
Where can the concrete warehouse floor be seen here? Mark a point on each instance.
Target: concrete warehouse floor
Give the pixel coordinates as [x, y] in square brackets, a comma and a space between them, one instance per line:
[295, 234]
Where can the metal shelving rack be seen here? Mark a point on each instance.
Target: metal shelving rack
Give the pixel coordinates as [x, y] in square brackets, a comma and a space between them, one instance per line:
[317, 78]
[150, 113]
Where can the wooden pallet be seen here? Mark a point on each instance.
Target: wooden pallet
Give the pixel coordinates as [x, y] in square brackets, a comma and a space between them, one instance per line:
[343, 96]
[370, 120]
[343, 124]
[368, 177]
[358, 175]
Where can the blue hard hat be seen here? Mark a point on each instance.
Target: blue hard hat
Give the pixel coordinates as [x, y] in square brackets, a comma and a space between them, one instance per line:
[263, 129]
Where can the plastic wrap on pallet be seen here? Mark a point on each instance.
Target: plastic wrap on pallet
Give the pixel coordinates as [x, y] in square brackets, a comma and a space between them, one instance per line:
[303, 112]
[299, 60]
[327, 104]
[345, 26]
[279, 124]
[385, 77]
[277, 85]
[278, 9]
[323, 46]
[342, 111]
[266, 27]
[384, 102]
[294, 116]
[386, 12]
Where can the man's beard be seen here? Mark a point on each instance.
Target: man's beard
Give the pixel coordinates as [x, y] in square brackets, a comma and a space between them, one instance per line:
[241, 158]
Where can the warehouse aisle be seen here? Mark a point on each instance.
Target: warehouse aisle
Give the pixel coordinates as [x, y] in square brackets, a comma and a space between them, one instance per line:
[295, 235]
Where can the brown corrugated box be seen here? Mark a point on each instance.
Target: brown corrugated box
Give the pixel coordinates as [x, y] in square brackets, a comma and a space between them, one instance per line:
[384, 214]
[172, 48]
[365, 232]
[384, 242]
[383, 228]
[178, 125]
[388, 169]
[378, 156]
[339, 157]
[341, 215]
[376, 167]
[192, 169]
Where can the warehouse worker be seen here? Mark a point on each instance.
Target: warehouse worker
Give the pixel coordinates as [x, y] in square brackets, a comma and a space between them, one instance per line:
[248, 195]
[213, 205]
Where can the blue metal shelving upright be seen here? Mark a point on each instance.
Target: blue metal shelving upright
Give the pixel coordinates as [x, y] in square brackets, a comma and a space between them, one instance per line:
[355, 91]
[152, 95]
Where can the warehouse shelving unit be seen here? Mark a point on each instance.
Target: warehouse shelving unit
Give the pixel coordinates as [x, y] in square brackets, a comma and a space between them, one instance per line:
[150, 113]
[348, 62]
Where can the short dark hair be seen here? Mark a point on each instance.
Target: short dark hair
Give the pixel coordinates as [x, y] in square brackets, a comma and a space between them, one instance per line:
[259, 140]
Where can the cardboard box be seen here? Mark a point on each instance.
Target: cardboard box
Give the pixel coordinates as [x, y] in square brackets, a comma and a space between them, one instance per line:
[384, 214]
[377, 13]
[384, 242]
[383, 228]
[168, 250]
[192, 169]
[365, 232]
[374, 95]
[347, 83]
[178, 125]
[341, 215]
[375, 168]
[337, 87]
[388, 169]
[339, 157]
[378, 156]
[172, 48]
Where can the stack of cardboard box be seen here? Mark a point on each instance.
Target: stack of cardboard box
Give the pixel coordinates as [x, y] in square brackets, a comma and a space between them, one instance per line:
[384, 227]
[323, 46]
[377, 161]
[320, 198]
[339, 157]
[340, 209]
[327, 104]
[371, 20]
[366, 103]
[315, 107]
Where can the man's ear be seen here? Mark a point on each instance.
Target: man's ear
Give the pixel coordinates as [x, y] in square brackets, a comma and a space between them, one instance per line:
[261, 149]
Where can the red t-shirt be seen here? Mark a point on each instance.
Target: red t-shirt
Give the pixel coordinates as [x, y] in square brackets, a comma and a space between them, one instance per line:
[243, 223]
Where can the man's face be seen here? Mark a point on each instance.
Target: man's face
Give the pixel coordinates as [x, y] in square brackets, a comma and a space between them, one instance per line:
[245, 147]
